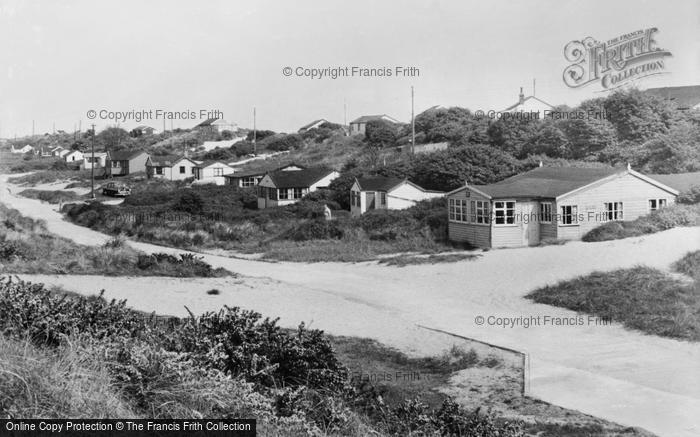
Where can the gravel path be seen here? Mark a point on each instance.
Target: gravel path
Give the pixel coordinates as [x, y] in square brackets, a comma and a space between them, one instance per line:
[603, 370]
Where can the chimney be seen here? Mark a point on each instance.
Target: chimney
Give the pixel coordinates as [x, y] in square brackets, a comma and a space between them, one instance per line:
[540, 163]
[629, 166]
[522, 96]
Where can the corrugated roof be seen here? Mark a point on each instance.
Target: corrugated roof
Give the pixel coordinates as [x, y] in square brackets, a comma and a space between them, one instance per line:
[546, 182]
[378, 183]
[685, 96]
[298, 178]
[678, 181]
[124, 155]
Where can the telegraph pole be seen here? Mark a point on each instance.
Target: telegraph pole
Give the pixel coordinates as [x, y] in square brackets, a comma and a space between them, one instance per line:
[413, 126]
[92, 165]
[255, 132]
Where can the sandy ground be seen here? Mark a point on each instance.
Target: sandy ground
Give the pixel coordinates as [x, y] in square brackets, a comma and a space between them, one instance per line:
[603, 370]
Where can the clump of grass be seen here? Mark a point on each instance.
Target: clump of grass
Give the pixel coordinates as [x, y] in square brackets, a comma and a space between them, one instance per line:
[640, 298]
[689, 265]
[214, 291]
[406, 260]
[38, 382]
[51, 196]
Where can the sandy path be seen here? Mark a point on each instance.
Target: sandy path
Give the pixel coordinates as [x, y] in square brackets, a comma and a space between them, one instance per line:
[606, 371]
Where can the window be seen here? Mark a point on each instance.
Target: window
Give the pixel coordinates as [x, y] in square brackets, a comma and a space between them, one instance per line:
[504, 213]
[283, 194]
[248, 182]
[193, 170]
[458, 210]
[182, 169]
[569, 215]
[613, 210]
[655, 204]
[355, 198]
[218, 172]
[159, 170]
[479, 212]
[382, 198]
[116, 164]
[298, 193]
[546, 212]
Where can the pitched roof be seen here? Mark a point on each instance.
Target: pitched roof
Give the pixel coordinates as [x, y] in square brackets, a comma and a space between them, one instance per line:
[378, 183]
[124, 155]
[678, 181]
[207, 163]
[511, 107]
[546, 182]
[207, 122]
[685, 96]
[260, 171]
[298, 178]
[164, 160]
[306, 126]
[368, 118]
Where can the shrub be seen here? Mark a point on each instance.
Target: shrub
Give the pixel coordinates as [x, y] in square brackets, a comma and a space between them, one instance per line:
[388, 224]
[189, 202]
[316, 229]
[660, 220]
[689, 265]
[690, 196]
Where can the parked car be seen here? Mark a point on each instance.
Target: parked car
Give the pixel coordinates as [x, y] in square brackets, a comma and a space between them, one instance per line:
[116, 189]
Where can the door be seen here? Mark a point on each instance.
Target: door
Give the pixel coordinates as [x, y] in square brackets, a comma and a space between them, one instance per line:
[530, 223]
[370, 201]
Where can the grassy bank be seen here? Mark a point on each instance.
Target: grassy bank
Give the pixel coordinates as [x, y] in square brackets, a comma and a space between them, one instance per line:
[640, 298]
[660, 220]
[26, 246]
[51, 196]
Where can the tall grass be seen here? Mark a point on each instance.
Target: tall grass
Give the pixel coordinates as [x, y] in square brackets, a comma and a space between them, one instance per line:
[640, 298]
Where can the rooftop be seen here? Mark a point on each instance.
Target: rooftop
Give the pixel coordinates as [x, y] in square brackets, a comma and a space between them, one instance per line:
[298, 178]
[124, 155]
[685, 96]
[378, 183]
[678, 181]
[368, 118]
[546, 182]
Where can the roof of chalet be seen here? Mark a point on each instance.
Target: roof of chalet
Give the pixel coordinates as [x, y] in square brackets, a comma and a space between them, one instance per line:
[378, 183]
[306, 126]
[207, 163]
[166, 160]
[124, 155]
[546, 182]
[261, 171]
[368, 118]
[678, 181]
[685, 96]
[511, 107]
[298, 178]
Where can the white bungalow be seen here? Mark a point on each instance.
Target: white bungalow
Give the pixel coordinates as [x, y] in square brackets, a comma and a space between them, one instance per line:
[381, 192]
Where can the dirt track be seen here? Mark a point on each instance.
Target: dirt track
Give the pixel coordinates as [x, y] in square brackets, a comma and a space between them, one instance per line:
[603, 370]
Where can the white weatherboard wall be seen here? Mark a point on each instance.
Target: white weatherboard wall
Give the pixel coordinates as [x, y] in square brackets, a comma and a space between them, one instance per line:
[406, 195]
[632, 191]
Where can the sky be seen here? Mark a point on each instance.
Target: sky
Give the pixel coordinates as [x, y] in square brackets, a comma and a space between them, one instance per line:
[60, 59]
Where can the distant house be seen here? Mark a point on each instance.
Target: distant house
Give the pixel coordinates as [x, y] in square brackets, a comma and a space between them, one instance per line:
[24, 149]
[58, 152]
[679, 181]
[251, 178]
[358, 126]
[551, 203]
[530, 104]
[216, 125]
[43, 151]
[99, 161]
[282, 187]
[212, 171]
[73, 156]
[313, 125]
[126, 162]
[381, 192]
[170, 167]
[145, 130]
[686, 97]
[424, 148]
